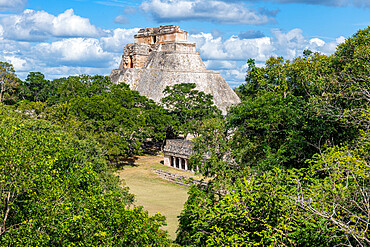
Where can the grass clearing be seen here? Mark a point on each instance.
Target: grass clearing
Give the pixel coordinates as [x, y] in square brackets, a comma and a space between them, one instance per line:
[153, 192]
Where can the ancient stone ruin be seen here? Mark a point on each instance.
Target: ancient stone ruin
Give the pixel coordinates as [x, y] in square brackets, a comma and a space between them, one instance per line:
[161, 57]
[176, 153]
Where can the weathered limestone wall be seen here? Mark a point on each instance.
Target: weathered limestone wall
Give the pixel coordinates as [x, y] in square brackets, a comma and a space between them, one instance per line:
[167, 160]
[175, 57]
[135, 56]
[178, 179]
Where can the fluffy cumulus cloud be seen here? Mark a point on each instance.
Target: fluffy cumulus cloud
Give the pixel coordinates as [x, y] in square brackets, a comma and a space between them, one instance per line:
[288, 44]
[34, 25]
[209, 10]
[67, 56]
[118, 38]
[232, 48]
[12, 5]
[74, 52]
[229, 55]
[61, 45]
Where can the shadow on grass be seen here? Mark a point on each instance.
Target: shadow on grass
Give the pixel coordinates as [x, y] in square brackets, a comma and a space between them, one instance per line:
[124, 162]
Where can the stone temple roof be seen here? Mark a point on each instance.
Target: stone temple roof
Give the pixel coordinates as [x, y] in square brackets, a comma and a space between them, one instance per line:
[179, 148]
[159, 30]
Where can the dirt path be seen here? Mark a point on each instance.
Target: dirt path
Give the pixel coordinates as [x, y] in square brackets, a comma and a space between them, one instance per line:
[154, 193]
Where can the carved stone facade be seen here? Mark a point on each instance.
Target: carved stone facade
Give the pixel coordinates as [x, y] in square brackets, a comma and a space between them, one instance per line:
[135, 56]
[176, 153]
[162, 34]
[161, 57]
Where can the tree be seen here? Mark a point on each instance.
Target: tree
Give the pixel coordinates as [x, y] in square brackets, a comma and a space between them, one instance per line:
[348, 90]
[120, 119]
[65, 89]
[284, 117]
[255, 211]
[57, 190]
[212, 155]
[8, 81]
[341, 190]
[36, 88]
[188, 107]
[292, 159]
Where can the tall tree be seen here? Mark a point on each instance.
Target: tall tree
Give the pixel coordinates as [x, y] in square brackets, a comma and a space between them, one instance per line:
[8, 81]
[188, 107]
[56, 190]
[36, 88]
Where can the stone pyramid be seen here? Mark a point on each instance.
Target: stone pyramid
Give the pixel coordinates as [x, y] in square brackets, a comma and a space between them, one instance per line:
[161, 57]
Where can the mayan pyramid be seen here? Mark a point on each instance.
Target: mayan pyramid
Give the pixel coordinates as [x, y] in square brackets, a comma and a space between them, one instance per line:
[161, 57]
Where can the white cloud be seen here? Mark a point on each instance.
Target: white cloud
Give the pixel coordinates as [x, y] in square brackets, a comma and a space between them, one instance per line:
[18, 63]
[34, 25]
[12, 5]
[68, 56]
[289, 44]
[238, 49]
[68, 24]
[74, 52]
[1, 32]
[209, 10]
[220, 64]
[233, 48]
[229, 56]
[208, 46]
[340, 40]
[118, 38]
[317, 42]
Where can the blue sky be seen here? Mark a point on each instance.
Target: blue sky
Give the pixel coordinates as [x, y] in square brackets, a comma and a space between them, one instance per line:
[69, 37]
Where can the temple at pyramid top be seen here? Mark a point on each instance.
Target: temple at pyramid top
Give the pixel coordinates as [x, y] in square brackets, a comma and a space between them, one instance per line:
[162, 34]
[160, 57]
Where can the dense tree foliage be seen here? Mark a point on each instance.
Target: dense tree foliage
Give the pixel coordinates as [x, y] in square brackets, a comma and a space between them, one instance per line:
[35, 88]
[121, 119]
[56, 186]
[57, 190]
[188, 107]
[8, 82]
[340, 190]
[290, 163]
[92, 106]
[257, 212]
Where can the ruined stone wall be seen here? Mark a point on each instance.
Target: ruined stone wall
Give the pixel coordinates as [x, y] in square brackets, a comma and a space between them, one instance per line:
[177, 47]
[135, 56]
[178, 179]
[175, 57]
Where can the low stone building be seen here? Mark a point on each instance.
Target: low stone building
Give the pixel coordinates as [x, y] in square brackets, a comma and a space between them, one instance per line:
[162, 57]
[177, 153]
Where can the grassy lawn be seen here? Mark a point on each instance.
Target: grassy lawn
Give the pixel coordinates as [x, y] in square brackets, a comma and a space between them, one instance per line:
[153, 192]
